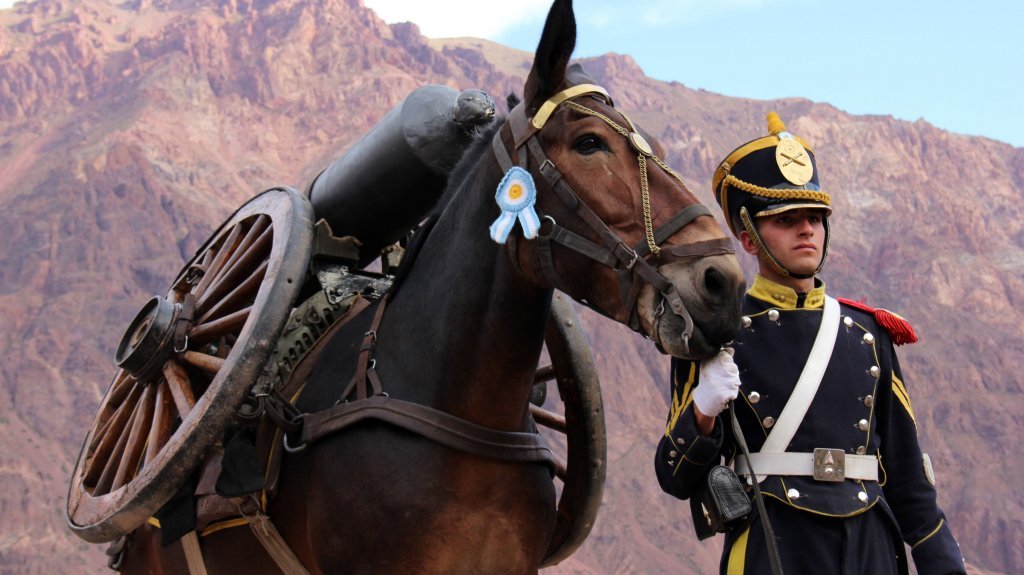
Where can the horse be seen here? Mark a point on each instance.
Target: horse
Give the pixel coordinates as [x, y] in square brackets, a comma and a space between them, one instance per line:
[462, 333]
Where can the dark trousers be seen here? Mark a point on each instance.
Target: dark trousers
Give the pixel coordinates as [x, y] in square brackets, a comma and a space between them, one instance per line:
[816, 544]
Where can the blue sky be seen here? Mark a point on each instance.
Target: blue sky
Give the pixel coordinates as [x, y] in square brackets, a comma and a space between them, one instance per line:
[958, 64]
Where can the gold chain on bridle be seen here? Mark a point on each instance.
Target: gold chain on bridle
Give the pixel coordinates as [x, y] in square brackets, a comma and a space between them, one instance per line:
[645, 193]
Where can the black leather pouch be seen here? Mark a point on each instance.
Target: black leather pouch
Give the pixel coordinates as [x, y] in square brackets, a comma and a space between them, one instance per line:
[721, 504]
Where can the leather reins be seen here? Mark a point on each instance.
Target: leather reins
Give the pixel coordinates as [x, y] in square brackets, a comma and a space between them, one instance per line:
[630, 264]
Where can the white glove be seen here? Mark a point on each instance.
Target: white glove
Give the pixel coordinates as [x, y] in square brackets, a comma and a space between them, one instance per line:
[719, 383]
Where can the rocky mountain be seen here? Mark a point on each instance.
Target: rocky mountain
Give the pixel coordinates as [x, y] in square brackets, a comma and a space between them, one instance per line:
[129, 129]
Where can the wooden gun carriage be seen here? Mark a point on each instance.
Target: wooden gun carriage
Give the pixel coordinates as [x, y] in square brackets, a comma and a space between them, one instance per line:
[221, 348]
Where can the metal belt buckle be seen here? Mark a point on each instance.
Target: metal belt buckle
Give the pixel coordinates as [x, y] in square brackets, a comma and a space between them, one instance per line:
[829, 464]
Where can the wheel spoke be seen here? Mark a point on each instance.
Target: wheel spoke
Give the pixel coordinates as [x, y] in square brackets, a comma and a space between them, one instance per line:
[207, 258]
[122, 404]
[113, 462]
[163, 423]
[548, 419]
[232, 322]
[544, 374]
[136, 440]
[255, 232]
[241, 296]
[223, 252]
[122, 386]
[177, 292]
[252, 249]
[209, 363]
[106, 439]
[180, 387]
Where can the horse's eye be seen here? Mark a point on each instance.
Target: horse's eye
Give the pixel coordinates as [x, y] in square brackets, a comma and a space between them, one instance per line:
[589, 144]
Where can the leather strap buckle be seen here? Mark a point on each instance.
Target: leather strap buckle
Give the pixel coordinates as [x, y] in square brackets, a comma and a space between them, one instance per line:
[829, 464]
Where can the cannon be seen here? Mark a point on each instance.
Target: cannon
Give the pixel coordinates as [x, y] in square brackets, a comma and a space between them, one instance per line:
[235, 322]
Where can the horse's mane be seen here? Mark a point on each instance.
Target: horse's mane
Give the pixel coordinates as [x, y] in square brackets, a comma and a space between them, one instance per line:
[459, 174]
[468, 162]
[470, 158]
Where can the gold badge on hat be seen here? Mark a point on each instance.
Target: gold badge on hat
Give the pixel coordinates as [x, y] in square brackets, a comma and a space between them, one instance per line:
[793, 161]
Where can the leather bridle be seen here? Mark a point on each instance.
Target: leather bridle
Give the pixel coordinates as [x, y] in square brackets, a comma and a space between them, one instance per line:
[630, 263]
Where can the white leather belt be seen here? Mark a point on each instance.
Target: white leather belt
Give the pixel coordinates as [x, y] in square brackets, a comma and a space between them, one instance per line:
[823, 465]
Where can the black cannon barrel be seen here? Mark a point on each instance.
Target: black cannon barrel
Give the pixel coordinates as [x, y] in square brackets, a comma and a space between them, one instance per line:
[391, 178]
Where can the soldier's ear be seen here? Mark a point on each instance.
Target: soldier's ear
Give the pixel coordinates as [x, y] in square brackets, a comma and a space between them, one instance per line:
[748, 243]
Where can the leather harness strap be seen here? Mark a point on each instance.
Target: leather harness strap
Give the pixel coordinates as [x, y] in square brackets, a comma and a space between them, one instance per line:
[423, 420]
[366, 368]
[183, 323]
[432, 424]
[371, 402]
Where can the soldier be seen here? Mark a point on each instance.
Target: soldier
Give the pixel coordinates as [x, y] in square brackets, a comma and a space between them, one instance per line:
[843, 477]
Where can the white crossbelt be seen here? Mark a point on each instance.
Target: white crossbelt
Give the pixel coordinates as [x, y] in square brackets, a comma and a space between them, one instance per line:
[859, 467]
[773, 458]
[807, 386]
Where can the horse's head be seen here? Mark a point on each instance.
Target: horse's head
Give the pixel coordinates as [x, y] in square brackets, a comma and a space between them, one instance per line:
[618, 229]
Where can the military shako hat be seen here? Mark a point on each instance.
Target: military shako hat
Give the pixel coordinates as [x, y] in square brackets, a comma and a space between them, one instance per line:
[767, 176]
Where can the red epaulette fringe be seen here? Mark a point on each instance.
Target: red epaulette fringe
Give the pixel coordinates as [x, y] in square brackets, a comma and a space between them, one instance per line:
[899, 329]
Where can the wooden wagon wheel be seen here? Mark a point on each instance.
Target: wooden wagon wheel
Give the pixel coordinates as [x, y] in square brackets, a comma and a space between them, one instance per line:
[583, 470]
[186, 362]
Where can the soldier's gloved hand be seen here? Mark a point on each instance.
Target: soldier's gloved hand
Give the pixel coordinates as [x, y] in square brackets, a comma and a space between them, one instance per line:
[719, 383]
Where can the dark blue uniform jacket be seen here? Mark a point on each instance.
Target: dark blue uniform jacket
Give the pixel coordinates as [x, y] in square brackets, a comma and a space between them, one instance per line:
[862, 406]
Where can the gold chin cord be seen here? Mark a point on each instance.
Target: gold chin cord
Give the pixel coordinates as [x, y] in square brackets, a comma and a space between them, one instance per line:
[748, 225]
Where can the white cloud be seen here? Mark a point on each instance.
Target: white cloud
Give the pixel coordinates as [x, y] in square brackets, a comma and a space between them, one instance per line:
[7, 3]
[450, 18]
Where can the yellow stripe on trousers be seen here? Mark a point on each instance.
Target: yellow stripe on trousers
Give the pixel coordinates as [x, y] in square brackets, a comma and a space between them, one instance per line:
[738, 555]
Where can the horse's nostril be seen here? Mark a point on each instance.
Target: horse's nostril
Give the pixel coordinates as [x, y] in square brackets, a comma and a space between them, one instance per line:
[714, 282]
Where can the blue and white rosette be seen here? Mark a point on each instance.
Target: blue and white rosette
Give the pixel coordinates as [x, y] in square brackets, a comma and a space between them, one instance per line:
[516, 196]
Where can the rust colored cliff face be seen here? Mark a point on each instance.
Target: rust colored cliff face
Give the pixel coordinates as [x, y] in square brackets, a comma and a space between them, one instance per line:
[130, 130]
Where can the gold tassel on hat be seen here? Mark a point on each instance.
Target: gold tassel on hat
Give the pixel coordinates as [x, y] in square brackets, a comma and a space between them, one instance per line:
[775, 125]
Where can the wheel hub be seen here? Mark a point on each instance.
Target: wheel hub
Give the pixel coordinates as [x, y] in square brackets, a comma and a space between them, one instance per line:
[149, 340]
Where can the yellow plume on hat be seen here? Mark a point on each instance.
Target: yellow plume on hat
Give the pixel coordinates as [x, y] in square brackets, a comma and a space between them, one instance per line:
[775, 125]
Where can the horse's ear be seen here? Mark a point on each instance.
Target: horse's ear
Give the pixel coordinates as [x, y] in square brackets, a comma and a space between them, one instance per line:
[549, 63]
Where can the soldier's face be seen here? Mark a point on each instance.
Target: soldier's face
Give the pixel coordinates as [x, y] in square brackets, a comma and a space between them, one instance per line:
[796, 238]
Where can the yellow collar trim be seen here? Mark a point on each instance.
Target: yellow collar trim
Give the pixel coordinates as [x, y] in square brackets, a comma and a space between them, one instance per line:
[783, 297]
